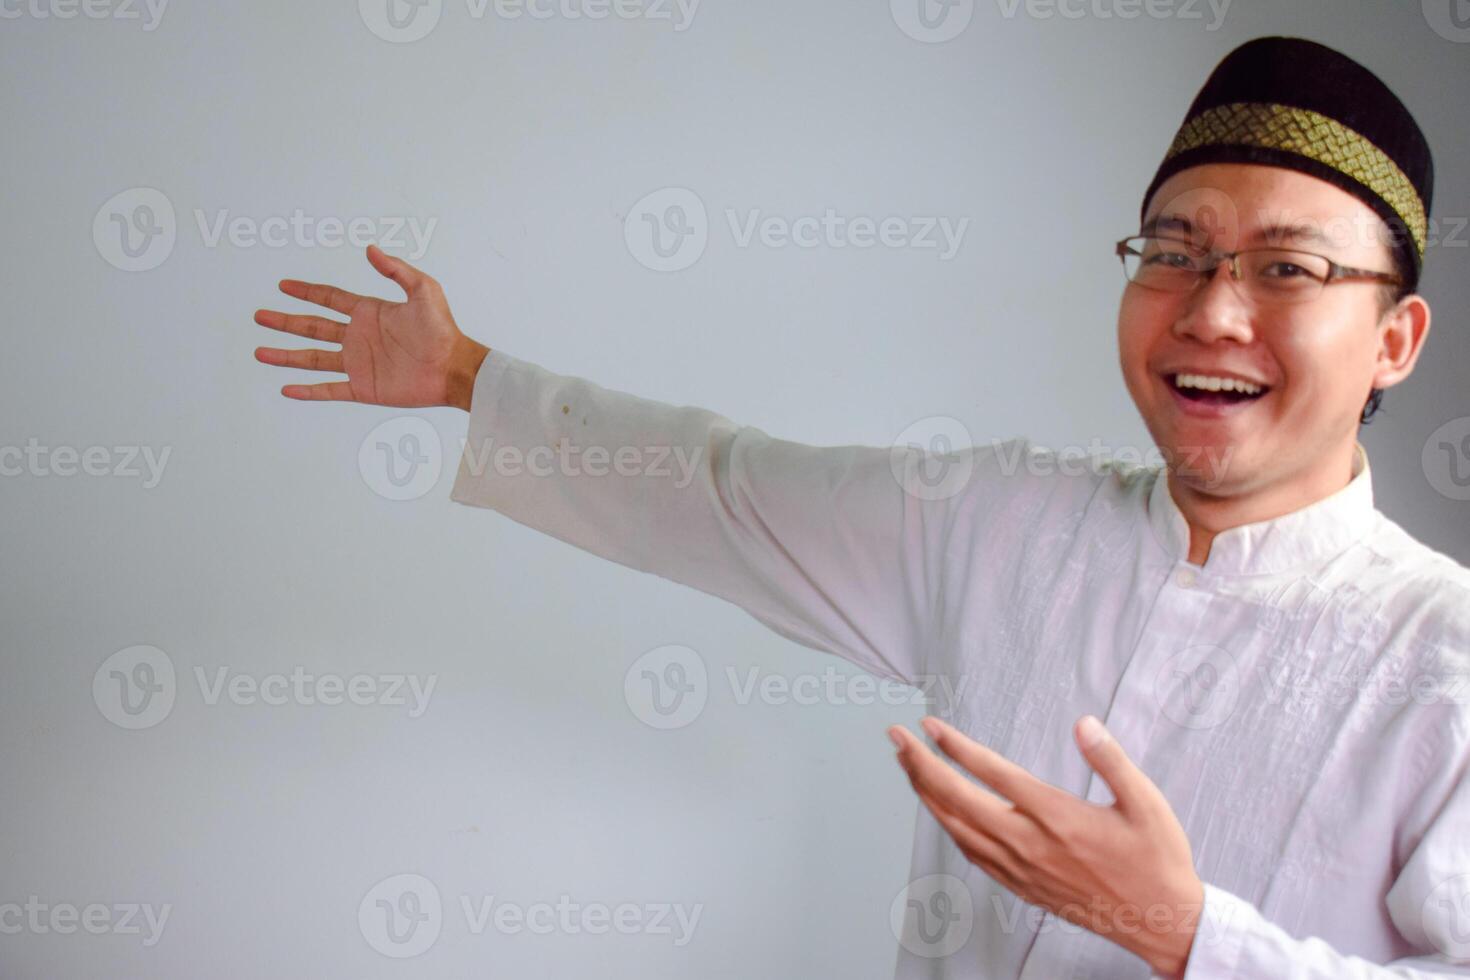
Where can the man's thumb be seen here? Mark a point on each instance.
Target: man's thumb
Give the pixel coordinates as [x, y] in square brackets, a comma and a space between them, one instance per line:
[407, 277]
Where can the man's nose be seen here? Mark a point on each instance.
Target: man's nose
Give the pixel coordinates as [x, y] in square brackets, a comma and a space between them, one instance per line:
[1217, 309]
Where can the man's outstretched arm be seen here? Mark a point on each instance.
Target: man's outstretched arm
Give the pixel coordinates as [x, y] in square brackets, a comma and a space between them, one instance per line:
[825, 545]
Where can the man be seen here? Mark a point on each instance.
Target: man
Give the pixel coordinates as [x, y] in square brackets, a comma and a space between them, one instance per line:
[1279, 787]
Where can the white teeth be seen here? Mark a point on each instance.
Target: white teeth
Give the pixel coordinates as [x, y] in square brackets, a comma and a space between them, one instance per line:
[1210, 383]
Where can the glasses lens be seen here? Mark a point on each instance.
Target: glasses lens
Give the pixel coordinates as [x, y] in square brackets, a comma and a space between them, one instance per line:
[1163, 263]
[1284, 276]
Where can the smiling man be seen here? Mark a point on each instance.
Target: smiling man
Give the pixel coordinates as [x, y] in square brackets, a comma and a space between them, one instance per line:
[1277, 786]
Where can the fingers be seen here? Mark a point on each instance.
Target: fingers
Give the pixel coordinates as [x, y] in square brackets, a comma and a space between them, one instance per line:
[994, 857]
[411, 280]
[315, 327]
[1132, 789]
[331, 391]
[996, 771]
[322, 295]
[310, 360]
[934, 777]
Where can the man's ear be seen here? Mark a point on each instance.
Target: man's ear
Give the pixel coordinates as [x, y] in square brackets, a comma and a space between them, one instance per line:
[1401, 335]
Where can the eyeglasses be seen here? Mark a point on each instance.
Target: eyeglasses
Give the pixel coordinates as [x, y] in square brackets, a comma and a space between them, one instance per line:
[1270, 275]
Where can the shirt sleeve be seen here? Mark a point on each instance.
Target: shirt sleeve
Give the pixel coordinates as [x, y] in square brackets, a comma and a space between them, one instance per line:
[821, 544]
[1429, 904]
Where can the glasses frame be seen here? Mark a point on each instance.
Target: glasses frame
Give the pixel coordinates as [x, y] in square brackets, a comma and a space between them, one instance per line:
[1335, 271]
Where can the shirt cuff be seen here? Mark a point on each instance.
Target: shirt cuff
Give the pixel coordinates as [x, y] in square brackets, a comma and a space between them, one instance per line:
[1223, 924]
[469, 487]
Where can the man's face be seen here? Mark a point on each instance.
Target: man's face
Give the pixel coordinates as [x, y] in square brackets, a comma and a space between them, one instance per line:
[1316, 360]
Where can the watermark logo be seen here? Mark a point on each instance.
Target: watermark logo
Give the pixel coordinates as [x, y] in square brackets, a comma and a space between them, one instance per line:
[569, 459]
[1446, 459]
[400, 21]
[135, 230]
[832, 230]
[150, 12]
[64, 918]
[302, 230]
[1205, 216]
[401, 459]
[932, 459]
[1118, 10]
[39, 460]
[1450, 19]
[401, 916]
[1446, 917]
[667, 230]
[1197, 688]
[833, 687]
[405, 21]
[934, 916]
[303, 688]
[574, 918]
[135, 687]
[667, 687]
[932, 21]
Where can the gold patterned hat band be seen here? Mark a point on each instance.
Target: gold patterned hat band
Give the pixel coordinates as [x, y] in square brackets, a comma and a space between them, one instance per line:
[1289, 102]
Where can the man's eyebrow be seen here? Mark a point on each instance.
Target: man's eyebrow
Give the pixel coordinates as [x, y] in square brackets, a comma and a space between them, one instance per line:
[1270, 234]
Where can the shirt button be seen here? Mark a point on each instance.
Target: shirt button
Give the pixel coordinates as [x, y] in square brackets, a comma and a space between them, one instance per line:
[1185, 578]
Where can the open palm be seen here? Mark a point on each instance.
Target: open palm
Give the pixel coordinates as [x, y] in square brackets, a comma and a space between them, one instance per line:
[395, 354]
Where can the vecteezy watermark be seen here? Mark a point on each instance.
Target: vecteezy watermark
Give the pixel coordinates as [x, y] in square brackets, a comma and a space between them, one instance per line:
[401, 458]
[1208, 216]
[669, 686]
[405, 21]
[1118, 10]
[95, 918]
[150, 12]
[403, 916]
[932, 21]
[136, 230]
[1445, 917]
[937, 21]
[302, 688]
[1362, 227]
[1108, 918]
[933, 916]
[1446, 459]
[570, 459]
[136, 688]
[832, 230]
[933, 459]
[1425, 687]
[1450, 19]
[668, 229]
[1198, 687]
[37, 460]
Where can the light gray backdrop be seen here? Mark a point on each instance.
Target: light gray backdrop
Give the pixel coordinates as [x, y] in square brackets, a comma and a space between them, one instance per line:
[263, 546]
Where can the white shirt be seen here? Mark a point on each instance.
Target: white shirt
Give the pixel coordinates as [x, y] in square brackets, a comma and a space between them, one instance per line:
[1300, 699]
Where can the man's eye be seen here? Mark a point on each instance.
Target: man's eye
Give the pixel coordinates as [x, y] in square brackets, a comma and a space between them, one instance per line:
[1284, 270]
[1172, 260]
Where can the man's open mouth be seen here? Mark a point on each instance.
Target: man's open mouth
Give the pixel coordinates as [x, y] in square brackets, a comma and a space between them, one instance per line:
[1209, 390]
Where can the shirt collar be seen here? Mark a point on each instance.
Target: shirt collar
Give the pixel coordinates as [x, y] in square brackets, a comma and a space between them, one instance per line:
[1307, 536]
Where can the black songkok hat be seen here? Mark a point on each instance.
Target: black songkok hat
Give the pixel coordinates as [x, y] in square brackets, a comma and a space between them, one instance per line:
[1289, 102]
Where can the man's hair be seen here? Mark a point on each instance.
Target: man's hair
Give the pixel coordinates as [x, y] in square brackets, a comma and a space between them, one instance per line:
[1389, 295]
